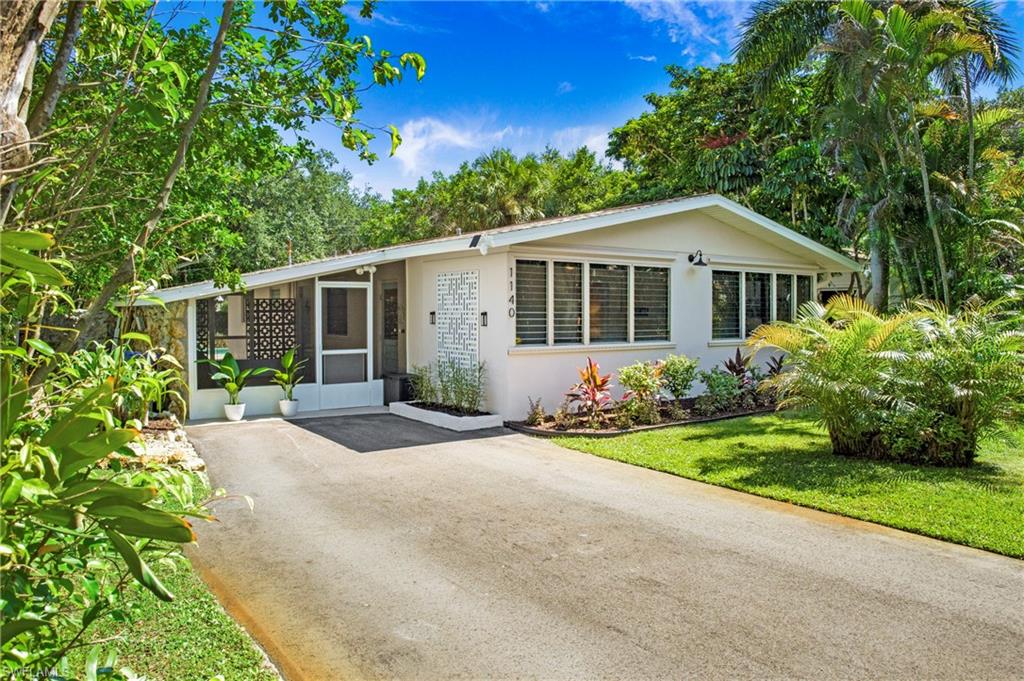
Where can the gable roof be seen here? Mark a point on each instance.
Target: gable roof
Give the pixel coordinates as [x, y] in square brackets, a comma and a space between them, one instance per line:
[714, 205]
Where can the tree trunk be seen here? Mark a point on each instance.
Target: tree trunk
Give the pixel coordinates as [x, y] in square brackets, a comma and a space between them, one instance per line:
[879, 258]
[39, 118]
[970, 121]
[25, 25]
[92, 323]
[940, 257]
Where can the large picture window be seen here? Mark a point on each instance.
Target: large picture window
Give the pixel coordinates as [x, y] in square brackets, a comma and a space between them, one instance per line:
[784, 297]
[758, 292]
[725, 304]
[609, 301]
[742, 301]
[568, 315]
[650, 304]
[531, 302]
[574, 303]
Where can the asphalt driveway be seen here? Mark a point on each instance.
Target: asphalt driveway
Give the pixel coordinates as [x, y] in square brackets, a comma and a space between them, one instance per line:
[380, 548]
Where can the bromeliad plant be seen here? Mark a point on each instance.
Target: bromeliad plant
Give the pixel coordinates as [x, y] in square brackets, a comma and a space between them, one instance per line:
[232, 377]
[592, 394]
[290, 373]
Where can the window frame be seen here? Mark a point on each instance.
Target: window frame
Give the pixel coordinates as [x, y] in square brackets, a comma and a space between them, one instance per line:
[585, 264]
[774, 275]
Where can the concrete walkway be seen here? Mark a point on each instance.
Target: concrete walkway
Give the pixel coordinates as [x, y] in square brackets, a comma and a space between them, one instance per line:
[381, 548]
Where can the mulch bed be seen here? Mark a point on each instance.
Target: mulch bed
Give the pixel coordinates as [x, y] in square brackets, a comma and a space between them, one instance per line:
[451, 411]
[549, 429]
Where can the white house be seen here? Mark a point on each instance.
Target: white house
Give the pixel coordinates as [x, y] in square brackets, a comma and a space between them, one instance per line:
[690, 275]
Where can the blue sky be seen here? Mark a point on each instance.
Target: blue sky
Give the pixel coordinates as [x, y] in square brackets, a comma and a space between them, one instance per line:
[525, 75]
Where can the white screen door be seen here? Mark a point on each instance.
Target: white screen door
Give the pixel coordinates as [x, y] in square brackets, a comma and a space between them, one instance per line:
[344, 330]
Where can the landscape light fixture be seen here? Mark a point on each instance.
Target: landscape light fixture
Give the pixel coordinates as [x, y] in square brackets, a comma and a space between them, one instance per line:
[697, 259]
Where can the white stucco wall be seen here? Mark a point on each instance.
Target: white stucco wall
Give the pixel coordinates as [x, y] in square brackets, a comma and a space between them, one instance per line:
[516, 373]
[421, 297]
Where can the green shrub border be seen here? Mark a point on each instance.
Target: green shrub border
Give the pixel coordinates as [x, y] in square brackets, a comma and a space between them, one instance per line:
[521, 427]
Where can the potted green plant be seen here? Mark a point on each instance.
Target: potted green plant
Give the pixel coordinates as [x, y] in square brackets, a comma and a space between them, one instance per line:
[289, 376]
[233, 378]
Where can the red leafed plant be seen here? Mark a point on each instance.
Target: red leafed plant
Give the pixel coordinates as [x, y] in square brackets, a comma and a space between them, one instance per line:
[592, 393]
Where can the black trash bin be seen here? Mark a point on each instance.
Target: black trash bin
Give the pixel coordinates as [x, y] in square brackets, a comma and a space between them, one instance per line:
[397, 387]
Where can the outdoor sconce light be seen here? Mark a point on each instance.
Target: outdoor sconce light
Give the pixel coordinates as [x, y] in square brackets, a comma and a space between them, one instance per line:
[483, 319]
[220, 299]
[697, 259]
[433, 318]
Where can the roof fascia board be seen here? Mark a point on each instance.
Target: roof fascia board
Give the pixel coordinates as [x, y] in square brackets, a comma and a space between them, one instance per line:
[507, 238]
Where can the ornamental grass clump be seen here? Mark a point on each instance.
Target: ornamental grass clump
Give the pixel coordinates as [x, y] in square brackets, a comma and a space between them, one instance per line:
[922, 385]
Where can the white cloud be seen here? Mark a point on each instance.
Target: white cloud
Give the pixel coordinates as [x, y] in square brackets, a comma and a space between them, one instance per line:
[641, 57]
[594, 137]
[423, 139]
[544, 7]
[352, 12]
[714, 21]
[564, 88]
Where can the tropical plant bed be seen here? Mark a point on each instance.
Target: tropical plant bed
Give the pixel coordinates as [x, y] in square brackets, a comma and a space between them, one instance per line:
[550, 428]
[445, 417]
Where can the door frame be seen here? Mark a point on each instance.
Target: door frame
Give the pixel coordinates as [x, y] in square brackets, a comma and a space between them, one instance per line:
[340, 395]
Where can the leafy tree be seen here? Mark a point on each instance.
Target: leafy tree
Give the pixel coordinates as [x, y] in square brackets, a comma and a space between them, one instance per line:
[308, 212]
[877, 67]
[158, 128]
[494, 190]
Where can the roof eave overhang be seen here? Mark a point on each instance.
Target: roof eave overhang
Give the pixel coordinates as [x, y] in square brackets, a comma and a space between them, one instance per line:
[825, 257]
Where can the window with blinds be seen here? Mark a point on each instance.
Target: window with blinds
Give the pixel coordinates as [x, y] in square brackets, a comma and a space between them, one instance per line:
[784, 297]
[725, 305]
[758, 300]
[568, 312]
[804, 289]
[650, 304]
[609, 303]
[531, 302]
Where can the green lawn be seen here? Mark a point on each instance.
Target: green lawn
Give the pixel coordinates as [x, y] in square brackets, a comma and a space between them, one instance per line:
[190, 638]
[786, 457]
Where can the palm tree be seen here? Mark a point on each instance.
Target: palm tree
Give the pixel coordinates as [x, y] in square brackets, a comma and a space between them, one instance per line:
[510, 190]
[877, 53]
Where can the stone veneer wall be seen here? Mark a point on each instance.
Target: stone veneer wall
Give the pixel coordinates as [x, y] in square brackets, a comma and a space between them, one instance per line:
[168, 329]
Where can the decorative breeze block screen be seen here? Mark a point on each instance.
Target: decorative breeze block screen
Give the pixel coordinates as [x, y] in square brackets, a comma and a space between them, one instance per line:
[271, 327]
[458, 307]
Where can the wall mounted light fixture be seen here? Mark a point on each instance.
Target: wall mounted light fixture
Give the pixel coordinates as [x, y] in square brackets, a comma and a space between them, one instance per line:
[433, 318]
[697, 259]
[483, 319]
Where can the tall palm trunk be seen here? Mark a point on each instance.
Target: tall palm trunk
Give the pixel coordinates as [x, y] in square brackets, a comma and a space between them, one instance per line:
[970, 120]
[940, 257]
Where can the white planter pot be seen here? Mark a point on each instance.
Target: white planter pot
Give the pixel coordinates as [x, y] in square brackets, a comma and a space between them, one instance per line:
[288, 407]
[234, 412]
[442, 420]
